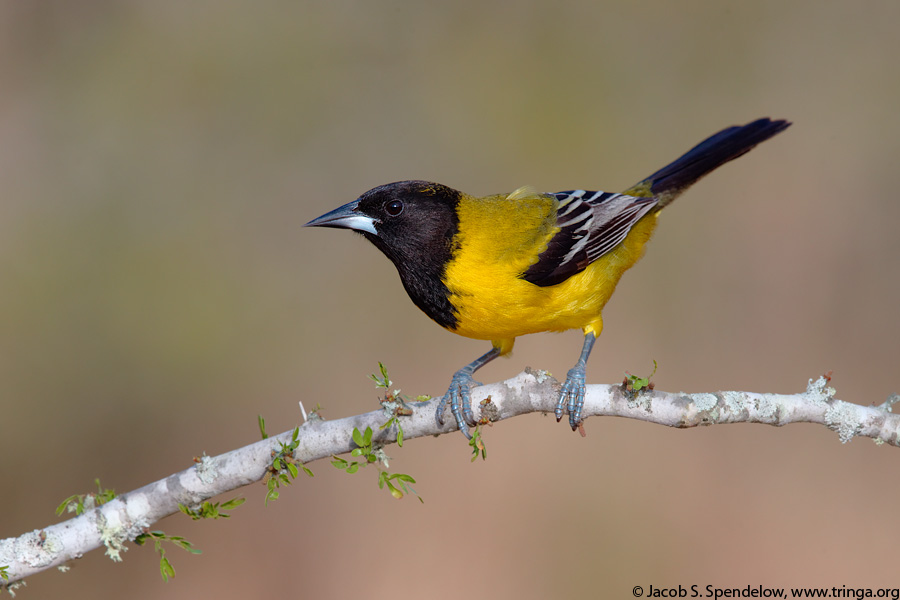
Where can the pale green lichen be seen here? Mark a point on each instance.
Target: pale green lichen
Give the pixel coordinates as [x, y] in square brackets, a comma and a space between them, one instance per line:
[90, 501]
[36, 548]
[395, 406]
[818, 391]
[14, 586]
[767, 408]
[114, 535]
[640, 400]
[843, 418]
[113, 538]
[207, 470]
[382, 457]
[735, 402]
[539, 374]
[706, 403]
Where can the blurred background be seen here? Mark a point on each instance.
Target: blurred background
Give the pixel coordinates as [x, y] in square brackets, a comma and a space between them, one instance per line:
[157, 291]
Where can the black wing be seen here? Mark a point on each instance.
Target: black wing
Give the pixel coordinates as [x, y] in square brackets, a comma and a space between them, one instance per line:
[591, 224]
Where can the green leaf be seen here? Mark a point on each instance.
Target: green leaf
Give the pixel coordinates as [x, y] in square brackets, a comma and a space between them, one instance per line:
[185, 545]
[382, 381]
[233, 503]
[353, 468]
[293, 469]
[477, 445]
[62, 507]
[639, 383]
[358, 438]
[339, 463]
[166, 569]
[396, 493]
[102, 496]
[399, 435]
[262, 427]
[307, 471]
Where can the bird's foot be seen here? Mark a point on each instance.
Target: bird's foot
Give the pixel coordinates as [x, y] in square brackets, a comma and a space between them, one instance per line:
[571, 397]
[460, 401]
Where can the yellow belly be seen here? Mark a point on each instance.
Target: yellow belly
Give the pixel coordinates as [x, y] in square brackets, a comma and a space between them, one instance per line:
[494, 303]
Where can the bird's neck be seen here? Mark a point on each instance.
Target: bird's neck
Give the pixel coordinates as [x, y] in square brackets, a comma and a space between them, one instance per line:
[424, 284]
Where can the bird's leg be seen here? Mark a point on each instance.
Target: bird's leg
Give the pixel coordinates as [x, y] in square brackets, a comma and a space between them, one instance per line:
[572, 394]
[458, 394]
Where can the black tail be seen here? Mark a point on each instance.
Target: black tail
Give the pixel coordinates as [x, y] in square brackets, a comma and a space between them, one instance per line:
[670, 181]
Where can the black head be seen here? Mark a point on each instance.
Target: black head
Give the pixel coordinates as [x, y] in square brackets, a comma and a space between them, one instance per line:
[414, 224]
[407, 220]
[412, 219]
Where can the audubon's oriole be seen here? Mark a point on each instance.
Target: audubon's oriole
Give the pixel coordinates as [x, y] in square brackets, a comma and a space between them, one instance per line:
[501, 266]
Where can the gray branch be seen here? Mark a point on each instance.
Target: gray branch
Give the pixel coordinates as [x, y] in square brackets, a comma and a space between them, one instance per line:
[128, 515]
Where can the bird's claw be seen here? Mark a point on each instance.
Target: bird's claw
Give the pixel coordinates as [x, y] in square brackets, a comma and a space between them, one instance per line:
[571, 397]
[460, 402]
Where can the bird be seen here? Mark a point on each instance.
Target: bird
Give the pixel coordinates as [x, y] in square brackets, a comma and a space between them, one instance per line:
[505, 265]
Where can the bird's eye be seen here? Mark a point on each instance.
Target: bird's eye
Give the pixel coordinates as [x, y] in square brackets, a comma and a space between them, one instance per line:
[393, 208]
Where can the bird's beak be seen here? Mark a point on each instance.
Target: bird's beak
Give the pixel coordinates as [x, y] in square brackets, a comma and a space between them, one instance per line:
[347, 216]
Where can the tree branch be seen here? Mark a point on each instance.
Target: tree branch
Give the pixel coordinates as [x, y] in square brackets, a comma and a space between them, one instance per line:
[128, 515]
